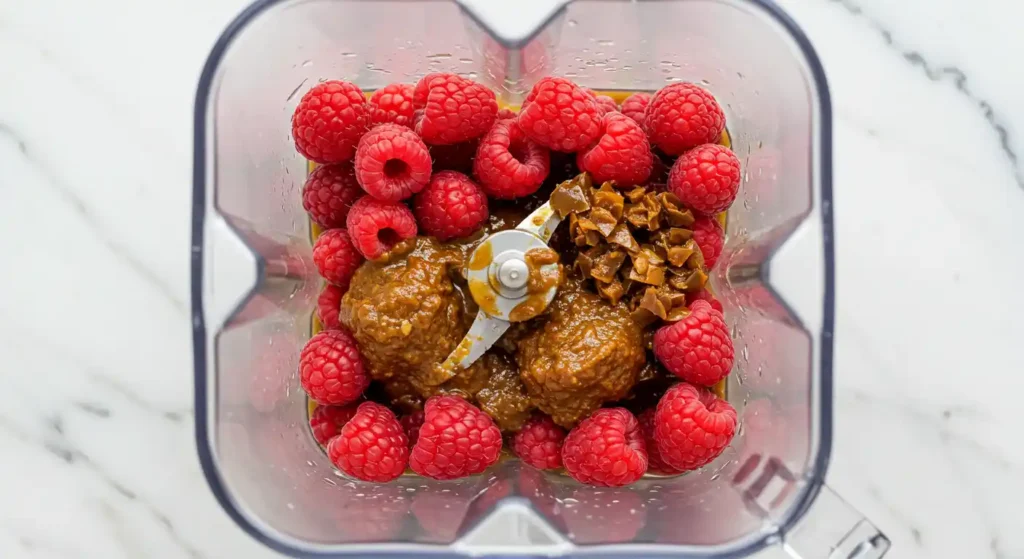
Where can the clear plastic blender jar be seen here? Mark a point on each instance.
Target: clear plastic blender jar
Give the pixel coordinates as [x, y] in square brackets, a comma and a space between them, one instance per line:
[254, 284]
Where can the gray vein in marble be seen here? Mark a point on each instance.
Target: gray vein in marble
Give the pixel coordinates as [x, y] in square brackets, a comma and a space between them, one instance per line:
[93, 374]
[915, 532]
[937, 73]
[133, 397]
[68, 194]
[90, 408]
[59, 446]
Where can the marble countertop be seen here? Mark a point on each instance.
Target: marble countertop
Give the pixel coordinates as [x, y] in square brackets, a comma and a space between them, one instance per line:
[98, 458]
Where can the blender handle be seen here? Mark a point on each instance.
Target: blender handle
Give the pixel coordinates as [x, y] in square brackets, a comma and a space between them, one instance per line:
[832, 529]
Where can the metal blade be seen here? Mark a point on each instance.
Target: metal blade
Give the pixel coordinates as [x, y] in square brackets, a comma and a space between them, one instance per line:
[484, 332]
[542, 222]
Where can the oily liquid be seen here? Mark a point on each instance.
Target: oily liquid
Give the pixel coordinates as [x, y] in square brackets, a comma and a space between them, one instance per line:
[619, 96]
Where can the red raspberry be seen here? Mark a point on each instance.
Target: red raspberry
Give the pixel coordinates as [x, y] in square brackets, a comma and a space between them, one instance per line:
[329, 121]
[539, 443]
[451, 206]
[372, 446]
[327, 421]
[655, 464]
[504, 114]
[559, 115]
[692, 426]
[606, 104]
[456, 440]
[392, 163]
[710, 237]
[706, 178]
[328, 305]
[392, 103]
[335, 257]
[419, 94]
[704, 295]
[605, 449]
[681, 116]
[331, 368]
[456, 109]
[697, 348]
[377, 226]
[454, 157]
[635, 106]
[622, 153]
[412, 423]
[329, 192]
[508, 164]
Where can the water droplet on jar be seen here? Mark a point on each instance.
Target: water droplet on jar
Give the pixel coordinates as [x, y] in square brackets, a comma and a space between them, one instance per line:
[705, 82]
[746, 354]
[439, 56]
[466, 60]
[606, 43]
[349, 55]
[307, 63]
[571, 23]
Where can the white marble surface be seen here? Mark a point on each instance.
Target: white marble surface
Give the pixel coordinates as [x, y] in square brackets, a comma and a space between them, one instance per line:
[95, 158]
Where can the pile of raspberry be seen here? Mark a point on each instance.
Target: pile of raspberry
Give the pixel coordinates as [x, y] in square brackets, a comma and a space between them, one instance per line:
[425, 159]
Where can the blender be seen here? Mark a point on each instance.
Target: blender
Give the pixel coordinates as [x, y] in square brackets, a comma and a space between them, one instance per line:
[254, 284]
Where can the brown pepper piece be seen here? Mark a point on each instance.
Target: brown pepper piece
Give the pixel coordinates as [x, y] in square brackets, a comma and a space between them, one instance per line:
[607, 265]
[572, 196]
[636, 247]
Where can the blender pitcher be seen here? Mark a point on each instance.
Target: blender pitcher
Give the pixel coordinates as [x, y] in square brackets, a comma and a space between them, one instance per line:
[254, 284]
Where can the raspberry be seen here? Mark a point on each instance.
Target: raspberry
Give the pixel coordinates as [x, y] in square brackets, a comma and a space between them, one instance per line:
[455, 109]
[508, 164]
[456, 440]
[331, 368]
[635, 106]
[335, 257]
[606, 449]
[328, 305]
[704, 295]
[392, 163]
[451, 206]
[329, 192]
[327, 421]
[372, 446]
[622, 153]
[329, 121]
[697, 348]
[706, 178]
[504, 114]
[539, 443]
[377, 226]
[606, 104]
[709, 236]
[655, 464]
[419, 94]
[412, 423]
[559, 115]
[454, 157]
[692, 426]
[681, 116]
[392, 103]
